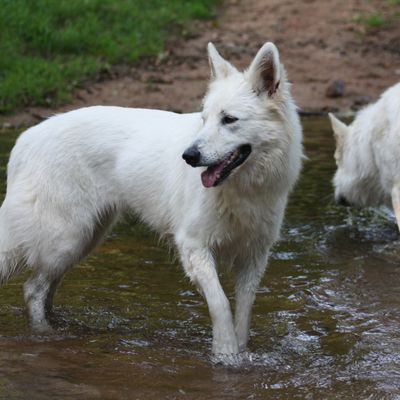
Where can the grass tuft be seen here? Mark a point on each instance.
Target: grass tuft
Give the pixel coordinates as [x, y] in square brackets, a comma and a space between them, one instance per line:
[371, 21]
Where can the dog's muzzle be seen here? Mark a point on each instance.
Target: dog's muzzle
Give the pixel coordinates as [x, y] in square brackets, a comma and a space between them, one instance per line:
[192, 156]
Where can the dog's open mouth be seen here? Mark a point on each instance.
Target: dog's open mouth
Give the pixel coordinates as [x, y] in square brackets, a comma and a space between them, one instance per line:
[217, 173]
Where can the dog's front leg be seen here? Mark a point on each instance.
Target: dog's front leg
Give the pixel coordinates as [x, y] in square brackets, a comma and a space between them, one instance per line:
[248, 276]
[396, 202]
[200, 266]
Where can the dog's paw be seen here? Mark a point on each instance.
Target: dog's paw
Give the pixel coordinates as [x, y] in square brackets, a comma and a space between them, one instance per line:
[228, 360]
[227, 347]
[41, 328]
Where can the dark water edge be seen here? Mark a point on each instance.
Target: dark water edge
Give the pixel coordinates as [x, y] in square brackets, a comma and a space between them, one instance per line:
[326, 321]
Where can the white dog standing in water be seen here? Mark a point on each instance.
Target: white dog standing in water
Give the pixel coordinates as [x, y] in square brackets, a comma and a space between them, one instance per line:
[72, 175]
[368, 155]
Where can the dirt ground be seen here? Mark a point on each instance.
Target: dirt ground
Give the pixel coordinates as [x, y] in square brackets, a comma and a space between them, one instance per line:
[320, 41]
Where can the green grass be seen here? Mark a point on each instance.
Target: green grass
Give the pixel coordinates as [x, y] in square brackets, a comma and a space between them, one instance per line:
[377, 20]
[374, 21]
[371, 21]
[49, 47]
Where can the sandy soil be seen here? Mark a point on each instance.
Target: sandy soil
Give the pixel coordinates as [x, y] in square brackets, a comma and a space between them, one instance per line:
[320, 41]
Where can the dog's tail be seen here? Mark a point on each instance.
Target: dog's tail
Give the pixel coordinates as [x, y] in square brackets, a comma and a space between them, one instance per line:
[11, 261]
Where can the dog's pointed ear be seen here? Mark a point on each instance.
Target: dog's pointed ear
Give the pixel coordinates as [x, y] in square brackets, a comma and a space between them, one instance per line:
[220, 68]
[396, 202]
[264, 72]
[340, 129]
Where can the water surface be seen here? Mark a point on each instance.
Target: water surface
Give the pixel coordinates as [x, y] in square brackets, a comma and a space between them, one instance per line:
[326, 321]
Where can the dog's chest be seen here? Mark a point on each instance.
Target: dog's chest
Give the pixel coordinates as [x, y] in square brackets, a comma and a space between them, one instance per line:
[241, 222]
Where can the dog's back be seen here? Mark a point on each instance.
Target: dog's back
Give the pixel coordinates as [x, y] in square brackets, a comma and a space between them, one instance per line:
[381, 119]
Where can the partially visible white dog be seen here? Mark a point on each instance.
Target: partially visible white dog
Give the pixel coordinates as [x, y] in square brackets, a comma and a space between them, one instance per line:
[72, 175]
[368, 155]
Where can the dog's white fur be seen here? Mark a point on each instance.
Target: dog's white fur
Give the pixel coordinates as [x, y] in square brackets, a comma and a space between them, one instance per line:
[70, 177]
[368, 154]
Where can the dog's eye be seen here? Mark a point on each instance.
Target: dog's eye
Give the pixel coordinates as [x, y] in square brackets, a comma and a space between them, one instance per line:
[228, 119]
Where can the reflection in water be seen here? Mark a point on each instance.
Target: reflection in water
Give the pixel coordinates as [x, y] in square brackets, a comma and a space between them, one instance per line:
[326, 321]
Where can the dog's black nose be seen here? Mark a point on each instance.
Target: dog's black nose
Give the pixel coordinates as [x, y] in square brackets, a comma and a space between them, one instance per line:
[192, 156]
[342, 201]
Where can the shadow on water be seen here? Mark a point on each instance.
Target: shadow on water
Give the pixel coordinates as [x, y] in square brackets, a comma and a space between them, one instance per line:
[129, 325]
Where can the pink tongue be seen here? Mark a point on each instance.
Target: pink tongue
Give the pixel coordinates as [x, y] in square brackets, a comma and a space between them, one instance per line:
[210, 175]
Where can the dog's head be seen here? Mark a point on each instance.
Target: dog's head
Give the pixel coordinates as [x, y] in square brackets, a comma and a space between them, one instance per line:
[242, 115]
[355, 180]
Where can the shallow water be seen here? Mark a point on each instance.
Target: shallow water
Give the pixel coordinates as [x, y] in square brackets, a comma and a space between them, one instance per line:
[326, 321]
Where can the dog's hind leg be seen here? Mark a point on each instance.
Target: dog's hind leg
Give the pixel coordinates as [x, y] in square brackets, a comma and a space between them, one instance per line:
[103, 224]
[248, 276]
[36, 291]
[199, 265]
[56, 258]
